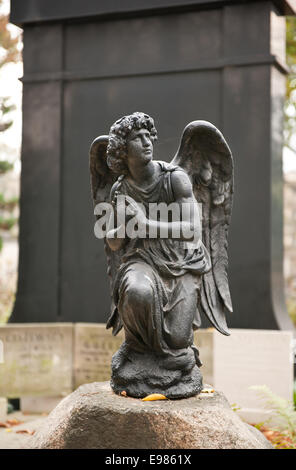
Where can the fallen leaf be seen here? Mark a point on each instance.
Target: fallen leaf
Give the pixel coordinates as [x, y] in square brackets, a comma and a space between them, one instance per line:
[207, 390]
[123, 393]
[13, 422]
[154, 396]
[278, 440]
[8, 430]
[268, 433]
[24, 431]
[3, 425]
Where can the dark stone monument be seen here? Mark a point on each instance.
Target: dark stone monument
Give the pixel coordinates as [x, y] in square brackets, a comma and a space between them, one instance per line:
[167, 266]
[88, 62]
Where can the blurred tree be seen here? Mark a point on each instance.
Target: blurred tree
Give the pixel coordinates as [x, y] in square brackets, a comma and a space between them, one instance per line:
[9, 44]
[290, 120]
[5, 108]
[9, 52]
[290, 104]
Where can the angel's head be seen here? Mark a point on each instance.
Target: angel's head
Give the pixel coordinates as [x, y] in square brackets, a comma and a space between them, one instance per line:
[130, 136]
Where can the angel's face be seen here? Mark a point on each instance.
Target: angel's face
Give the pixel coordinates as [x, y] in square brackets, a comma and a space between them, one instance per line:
[139, 147]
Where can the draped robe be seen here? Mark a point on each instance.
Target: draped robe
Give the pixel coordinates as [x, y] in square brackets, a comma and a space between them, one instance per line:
[156, 288]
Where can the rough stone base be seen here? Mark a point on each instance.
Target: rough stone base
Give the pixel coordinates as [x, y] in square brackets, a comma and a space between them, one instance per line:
[141, 374]
[94, 417]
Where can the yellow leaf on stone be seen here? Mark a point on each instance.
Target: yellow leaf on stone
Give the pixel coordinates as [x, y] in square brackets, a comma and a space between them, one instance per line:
[8, 430]
[154, 396]
[207, 390]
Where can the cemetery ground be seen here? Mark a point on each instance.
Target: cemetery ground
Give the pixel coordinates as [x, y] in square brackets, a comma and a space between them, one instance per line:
[18, 428]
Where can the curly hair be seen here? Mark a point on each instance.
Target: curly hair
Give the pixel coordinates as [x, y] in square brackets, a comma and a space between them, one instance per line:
[117, 146]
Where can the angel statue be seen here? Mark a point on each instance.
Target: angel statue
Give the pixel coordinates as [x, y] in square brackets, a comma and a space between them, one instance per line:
[166, 271]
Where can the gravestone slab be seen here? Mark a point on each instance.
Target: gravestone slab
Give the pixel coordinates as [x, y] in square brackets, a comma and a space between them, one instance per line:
[37, 359]
[37, 405]
[94, 348]
[3, 408]
[248, 357]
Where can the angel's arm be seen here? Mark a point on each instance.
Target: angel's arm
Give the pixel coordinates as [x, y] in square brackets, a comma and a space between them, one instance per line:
[183, 192]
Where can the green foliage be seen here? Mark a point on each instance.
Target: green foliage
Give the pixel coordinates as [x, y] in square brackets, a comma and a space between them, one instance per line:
[7, 299]
[8, 204]
[5, 108]
[5, 166]
[291, 306]
[7, 224]
[235, 407]
[291, 42]
[258, 425]
[284, 415]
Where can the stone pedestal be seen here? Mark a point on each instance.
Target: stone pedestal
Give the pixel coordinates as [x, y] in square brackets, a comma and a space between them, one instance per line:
[94, 417]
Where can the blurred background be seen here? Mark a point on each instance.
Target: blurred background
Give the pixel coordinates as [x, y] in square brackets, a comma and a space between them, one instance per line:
[11, 70]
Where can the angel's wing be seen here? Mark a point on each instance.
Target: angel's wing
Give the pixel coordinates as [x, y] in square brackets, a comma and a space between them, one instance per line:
[207, 159]
[102, 180]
